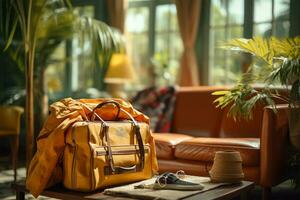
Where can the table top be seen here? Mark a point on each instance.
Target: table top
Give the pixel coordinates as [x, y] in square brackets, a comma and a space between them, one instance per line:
[223, 192]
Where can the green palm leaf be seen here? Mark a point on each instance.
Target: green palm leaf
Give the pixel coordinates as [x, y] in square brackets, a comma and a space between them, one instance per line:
[257, 46]
[282, 65]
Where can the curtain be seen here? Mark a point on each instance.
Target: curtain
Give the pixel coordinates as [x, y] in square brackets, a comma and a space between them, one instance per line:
[116, 12]
[188, 12]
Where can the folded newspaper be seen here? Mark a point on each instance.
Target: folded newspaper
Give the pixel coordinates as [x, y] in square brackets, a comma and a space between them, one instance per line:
[134, 191]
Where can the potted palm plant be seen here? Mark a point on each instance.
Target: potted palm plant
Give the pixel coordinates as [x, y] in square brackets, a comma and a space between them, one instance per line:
[276, 63]
[35, 23]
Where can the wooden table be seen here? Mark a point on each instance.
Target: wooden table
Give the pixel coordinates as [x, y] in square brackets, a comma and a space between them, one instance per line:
[59, 192]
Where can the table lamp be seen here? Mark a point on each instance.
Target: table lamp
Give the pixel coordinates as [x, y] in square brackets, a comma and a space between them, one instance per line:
[119, 72]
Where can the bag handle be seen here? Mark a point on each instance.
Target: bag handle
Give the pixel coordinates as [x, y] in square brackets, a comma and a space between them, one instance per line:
[137, 133]
[100, 105]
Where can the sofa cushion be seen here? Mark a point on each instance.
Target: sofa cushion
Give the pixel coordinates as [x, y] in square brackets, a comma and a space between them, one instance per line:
[203, 149]
[165, 143]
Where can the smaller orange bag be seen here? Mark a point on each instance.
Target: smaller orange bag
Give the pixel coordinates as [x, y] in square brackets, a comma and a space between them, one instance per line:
[102, 153]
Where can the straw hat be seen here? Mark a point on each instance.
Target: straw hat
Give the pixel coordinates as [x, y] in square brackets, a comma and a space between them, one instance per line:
[227, 167]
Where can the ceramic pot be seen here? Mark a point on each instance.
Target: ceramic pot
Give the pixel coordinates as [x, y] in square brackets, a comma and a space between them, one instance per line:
[227, 167]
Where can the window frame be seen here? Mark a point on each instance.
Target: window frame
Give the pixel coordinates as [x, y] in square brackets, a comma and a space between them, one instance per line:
[226, 27]
[100, 14]
[273, 20]
[151, 5]
[154, 34]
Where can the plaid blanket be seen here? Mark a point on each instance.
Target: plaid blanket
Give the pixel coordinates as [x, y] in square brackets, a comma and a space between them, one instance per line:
[158, 105]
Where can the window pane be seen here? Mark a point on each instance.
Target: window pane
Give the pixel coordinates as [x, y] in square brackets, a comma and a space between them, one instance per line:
[86, 71]
[235, 32]
[176, 46]
[167, 42]
[137, 20]
[264, 30]
[281, 28]
[236, 11]
[82, 63]
[234, 59]
[55, 71]
[234, 66]
[168, 45]
[225, 66]
[173, 18]
[161, 43]
[88, 11]
[281, 9]
[140, 56]
[226, 69]
[166, 18]
[218, 12]
[217, 37]
[166, 58]
[217, 55]
[218, 72]
[137, 26]
[262, 10]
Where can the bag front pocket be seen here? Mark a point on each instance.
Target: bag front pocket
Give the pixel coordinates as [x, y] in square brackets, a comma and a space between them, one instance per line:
[125, 158]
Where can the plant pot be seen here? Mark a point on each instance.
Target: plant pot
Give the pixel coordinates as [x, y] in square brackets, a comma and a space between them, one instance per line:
[294, 126]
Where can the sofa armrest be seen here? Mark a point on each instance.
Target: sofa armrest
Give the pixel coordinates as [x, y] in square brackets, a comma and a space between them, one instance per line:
[274, 141]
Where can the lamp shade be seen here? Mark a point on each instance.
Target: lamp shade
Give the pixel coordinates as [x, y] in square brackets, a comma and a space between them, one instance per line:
[120, 70]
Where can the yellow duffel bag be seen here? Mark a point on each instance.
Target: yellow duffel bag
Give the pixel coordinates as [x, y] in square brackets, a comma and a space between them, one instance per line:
[102, 153]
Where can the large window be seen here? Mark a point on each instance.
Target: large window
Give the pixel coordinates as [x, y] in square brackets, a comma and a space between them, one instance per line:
[227, 18]
[154, 42]
[55, 71]
[83, 66]
[241, 18]
[70, 71]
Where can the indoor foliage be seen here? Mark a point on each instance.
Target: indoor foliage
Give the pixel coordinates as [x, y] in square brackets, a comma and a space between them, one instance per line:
[36, 22]
[276, 62]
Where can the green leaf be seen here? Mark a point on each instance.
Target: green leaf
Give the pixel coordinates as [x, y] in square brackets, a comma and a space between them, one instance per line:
[257, 46]
[11, 34]
[220, 92]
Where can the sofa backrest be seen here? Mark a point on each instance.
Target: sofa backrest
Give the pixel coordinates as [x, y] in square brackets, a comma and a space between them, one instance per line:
[242, 128]
[196, 115]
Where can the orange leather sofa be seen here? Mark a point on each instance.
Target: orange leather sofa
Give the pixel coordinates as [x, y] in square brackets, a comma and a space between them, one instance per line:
[199, 129]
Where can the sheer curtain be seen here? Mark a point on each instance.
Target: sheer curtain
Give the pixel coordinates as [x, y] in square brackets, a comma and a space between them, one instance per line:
[188, 12]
